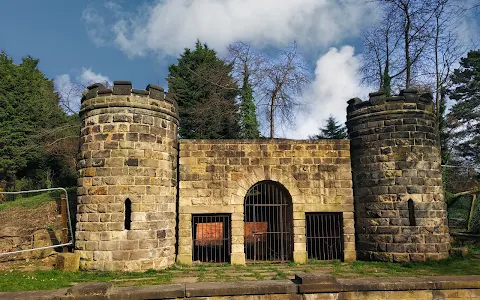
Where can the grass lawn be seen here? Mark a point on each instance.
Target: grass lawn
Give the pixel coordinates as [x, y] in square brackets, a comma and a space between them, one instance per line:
[34, 200]
[15, 280]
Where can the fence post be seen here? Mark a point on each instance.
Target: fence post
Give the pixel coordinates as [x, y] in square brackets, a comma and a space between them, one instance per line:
[63, 212]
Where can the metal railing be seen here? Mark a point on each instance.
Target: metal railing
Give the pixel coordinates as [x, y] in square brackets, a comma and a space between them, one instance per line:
[67, 238]
[211, 238]
[324, 236]
[268, 223]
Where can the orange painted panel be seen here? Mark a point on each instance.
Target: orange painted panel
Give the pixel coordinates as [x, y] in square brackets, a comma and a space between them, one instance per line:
[253, 232]
[209, 234]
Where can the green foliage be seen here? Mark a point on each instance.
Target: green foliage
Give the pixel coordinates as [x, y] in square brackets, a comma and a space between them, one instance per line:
[249, 122]
[50, 280]
[458, 212]
[465, 113]
[15, 280]
[31, 201]
[205, 92]
[475, 223]
[28, 104]
[34, 200]
[332, 130]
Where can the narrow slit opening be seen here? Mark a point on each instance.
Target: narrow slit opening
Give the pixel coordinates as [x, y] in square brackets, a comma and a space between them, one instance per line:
[128, 214]
[411, 213]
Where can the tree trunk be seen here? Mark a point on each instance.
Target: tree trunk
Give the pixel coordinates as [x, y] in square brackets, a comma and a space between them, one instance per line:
[407, 49]
[470, 215]
[272, 119]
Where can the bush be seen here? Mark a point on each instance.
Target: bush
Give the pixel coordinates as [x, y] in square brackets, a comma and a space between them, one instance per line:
[475, 224]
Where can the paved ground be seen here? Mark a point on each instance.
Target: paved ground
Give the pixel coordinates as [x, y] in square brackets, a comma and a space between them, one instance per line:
[228, 273]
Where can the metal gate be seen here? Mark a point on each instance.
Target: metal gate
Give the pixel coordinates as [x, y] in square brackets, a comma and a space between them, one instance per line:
[324, 235]
[211, 238]
[268, 223]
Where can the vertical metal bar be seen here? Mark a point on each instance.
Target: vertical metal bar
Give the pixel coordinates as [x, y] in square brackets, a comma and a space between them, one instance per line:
[317, 231]
[314, 223]
[63, 209]
[254, 225]
[337, 234]
[306, 236]
[282, 225]
[320, 234]
[329, 218]
[324, 246]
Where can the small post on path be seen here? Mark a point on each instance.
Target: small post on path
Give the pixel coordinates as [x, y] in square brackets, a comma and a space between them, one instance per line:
[63, 212]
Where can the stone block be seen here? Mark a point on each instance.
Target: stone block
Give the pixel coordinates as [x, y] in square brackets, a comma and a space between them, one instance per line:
[68, 262]
[186, 259]
[240, 288]
[459, 251]
[300, 257]
[83, 290]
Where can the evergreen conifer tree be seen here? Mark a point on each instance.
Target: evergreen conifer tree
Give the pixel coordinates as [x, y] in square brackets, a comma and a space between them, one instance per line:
[332, 130]
[205, 92]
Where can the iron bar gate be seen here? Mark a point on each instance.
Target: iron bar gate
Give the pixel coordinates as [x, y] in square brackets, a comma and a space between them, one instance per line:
[211, 238]
[324, 235]
[268, 223]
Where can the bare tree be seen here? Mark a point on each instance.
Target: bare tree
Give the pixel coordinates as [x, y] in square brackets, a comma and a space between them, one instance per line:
[404, 31]
[285, 78]
[447, 48]
[381, 58]
[277, 82]
[248, 64]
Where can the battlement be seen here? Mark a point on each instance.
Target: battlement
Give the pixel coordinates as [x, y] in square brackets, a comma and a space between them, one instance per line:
[122, 94]
[397, 180]
[409, 100]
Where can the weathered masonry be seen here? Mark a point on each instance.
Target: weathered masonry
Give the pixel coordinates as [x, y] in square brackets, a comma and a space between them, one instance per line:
[127, 188]
[399, 201]
[147, 199]
[267, 187]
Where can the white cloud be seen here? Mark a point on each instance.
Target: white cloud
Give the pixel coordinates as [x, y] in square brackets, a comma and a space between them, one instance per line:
[169, 26]
[70, 90]
[336, 81]
[88, 77]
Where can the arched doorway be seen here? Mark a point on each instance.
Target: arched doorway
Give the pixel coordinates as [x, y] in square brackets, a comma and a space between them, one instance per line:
[268, 223]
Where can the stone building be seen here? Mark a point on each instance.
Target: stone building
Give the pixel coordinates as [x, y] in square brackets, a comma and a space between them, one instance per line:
[147, 199]
[400, 210]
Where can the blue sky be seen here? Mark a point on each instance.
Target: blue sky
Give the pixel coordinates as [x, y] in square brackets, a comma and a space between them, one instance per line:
[54, 32]
[85, 41]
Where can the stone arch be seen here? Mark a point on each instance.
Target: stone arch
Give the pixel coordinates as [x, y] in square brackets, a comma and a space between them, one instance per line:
[268, 222]
[288, 181]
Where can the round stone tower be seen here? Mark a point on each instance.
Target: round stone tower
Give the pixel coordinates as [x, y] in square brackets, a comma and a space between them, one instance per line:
[400, 213]
[127, 179]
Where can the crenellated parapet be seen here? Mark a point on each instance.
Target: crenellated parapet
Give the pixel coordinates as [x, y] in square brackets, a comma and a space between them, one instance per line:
[153, 98]
[400, 211]
[127, 186]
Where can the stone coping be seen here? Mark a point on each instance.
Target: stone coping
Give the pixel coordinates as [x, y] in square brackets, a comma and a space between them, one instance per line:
[264, 141]
[303, 284]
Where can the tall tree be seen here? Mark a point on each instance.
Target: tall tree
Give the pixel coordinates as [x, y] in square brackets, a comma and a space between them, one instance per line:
[247, 66]
[398, 42]
[464, 117]
[285, 78]
[381, 59]
[332, 130]
[205, 92]
[28, 104]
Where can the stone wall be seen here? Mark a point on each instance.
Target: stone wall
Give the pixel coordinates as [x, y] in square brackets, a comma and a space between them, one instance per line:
[305, 287]
[396, 158]
[128, 150]
[215, 176]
